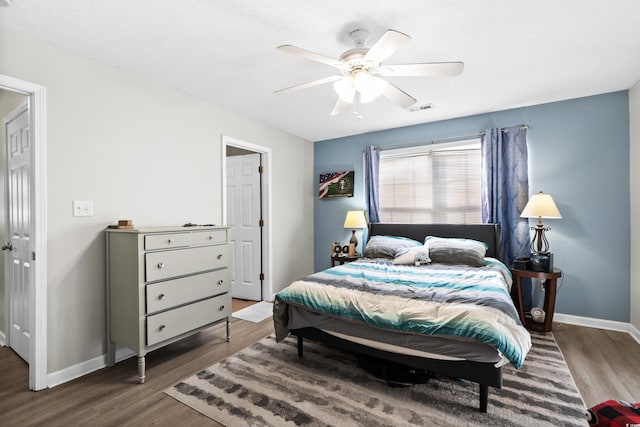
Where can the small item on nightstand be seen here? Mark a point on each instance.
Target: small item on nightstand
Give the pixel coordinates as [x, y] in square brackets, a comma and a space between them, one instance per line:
[522, 263]
[542, 262]
[340, 250]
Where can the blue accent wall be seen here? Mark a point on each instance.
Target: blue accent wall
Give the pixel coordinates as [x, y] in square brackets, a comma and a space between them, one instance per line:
[578, 153]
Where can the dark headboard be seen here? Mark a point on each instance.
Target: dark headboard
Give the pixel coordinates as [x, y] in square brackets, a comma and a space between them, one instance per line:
[488, 233]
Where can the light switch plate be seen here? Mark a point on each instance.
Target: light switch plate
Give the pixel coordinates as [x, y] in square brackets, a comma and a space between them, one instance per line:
[82, 208]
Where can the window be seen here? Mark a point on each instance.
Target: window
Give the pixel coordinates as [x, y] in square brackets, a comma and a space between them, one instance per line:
[437, 183]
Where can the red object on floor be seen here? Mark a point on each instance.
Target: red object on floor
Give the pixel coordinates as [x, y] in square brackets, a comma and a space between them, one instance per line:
[614, 413]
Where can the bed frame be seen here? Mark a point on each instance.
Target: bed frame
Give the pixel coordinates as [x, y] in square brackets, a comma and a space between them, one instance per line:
[485, 374]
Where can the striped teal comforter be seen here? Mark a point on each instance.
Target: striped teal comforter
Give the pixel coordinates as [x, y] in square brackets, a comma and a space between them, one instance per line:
[435, 299]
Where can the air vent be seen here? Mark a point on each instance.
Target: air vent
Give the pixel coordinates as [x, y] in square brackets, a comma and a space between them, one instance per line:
[420, 107]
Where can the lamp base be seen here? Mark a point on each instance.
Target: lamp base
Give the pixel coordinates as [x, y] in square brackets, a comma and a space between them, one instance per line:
[354, 240]
[542, 262]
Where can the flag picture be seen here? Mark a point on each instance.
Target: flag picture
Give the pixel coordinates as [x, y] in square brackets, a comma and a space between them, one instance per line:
[336, 184]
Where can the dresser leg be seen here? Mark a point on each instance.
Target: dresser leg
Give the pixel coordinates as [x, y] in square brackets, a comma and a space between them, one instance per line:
[228, 328]
[141, 369]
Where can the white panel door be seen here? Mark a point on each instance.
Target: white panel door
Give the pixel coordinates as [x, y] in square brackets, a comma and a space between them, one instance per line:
[243, 216]
[18, 246]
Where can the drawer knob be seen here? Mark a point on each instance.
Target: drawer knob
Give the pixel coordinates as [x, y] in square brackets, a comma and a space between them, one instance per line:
[161, 296]
[220, 256]
[220, 282]
[170, 241]
[161, 328]
[221, 308]
[161, 265]
[210, 237]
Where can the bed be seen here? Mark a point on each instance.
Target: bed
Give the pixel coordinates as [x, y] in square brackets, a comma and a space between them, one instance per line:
[452, 316]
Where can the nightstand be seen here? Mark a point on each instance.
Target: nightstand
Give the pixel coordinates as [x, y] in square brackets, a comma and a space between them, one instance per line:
[342, 259]
[550, 288]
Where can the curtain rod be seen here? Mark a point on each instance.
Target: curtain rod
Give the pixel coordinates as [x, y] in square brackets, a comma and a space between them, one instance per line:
[450, 139]
[505, 129]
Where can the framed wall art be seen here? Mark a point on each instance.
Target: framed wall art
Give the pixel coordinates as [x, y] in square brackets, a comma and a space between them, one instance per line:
[336, 184]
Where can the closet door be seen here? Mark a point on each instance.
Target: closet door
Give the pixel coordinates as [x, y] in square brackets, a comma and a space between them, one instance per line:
[243, 216]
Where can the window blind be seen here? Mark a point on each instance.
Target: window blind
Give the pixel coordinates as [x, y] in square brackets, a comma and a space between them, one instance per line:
[436, 186]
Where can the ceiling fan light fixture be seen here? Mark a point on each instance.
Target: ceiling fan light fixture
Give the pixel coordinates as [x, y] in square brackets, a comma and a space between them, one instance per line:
[369, 87]
[345, 89]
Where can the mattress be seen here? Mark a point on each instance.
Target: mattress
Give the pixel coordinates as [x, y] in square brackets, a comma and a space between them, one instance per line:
[433, 347]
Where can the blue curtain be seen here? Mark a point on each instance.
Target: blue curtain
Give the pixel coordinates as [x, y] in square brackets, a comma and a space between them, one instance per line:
[371, 173]
[505, 188]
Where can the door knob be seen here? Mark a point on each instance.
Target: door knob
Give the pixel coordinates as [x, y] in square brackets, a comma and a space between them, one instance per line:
[7, 246]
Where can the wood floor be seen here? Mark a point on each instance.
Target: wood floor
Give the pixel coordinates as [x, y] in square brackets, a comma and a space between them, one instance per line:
[604, 365]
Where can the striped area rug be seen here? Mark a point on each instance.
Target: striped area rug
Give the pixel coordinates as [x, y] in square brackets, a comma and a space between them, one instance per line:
[266, 384]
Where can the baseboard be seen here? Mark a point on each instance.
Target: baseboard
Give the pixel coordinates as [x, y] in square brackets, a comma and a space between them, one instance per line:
[634, 332]
[76, 371]
[610, 325]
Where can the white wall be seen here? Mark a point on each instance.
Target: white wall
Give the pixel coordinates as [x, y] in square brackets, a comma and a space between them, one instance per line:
[144, 152]
[634, 159]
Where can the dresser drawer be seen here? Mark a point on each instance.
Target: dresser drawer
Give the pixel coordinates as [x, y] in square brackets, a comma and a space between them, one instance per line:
[181, 262]
[171, 293]
[168, 324]
[209, 237]
[166, 241]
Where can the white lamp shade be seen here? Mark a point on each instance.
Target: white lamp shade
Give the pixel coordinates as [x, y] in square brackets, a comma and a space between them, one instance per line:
[355, 219]
[345, 90]
[540, 205]
[369, 87]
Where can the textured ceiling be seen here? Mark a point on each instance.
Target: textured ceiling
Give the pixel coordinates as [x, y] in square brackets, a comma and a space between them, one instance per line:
[516, 53]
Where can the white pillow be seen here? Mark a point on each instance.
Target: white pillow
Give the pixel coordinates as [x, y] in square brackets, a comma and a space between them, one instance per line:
[413, 256]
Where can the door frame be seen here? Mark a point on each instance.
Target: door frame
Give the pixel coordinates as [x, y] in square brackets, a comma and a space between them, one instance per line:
[36, 97]
[265, 188]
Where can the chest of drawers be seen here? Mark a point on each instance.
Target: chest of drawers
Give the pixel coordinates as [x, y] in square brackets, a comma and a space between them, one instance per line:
[164, 284]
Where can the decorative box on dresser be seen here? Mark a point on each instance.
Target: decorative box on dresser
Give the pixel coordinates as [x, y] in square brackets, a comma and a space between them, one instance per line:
[164, 284]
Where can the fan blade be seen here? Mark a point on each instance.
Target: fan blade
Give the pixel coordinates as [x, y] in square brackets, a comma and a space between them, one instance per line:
[400, 97]
[308, 85]
[390, 41]
[437, 69]
[339, 107]
[302, 53]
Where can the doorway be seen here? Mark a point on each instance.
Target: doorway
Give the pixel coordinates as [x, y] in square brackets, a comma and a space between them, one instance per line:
[35, 246]
[246, 208]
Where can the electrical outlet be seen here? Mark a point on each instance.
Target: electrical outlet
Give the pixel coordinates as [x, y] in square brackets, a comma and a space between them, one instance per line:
[82, 208]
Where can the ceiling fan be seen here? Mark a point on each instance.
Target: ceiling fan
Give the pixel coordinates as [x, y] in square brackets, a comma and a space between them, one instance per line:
[361, 70]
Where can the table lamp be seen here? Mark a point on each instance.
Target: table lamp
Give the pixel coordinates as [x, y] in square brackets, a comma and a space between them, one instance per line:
[355, 219]
[540, 206]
